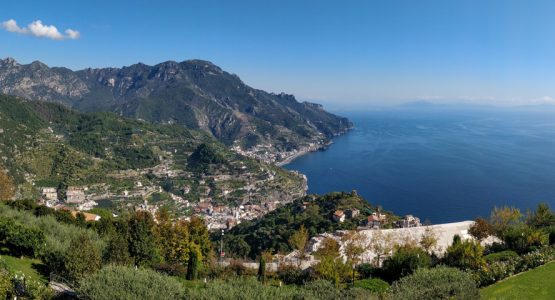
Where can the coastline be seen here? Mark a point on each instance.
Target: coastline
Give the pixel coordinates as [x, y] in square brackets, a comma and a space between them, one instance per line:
[291, 158]
[308, 150]
[302, 152]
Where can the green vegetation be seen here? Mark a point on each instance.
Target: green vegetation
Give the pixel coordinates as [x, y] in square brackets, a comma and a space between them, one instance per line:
[274, 231]
[204, 156]
[501, 256]
[405, 260]
[31, 267]
[116, 282]
[374, 285]
[533, 284]
[54, 146]
[250, 288]
[436, 283]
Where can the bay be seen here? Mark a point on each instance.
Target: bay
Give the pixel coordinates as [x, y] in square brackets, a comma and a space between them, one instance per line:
[442, 165]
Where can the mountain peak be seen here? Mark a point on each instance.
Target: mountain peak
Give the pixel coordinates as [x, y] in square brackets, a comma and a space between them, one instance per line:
[9, 61]
[195, 93]
[38, 64]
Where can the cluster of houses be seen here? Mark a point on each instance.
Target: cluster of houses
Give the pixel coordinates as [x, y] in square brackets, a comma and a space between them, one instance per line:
[268, 153]
[74, 195]
[339, 216]
[408, 221]
[376, 220]
[225, 217]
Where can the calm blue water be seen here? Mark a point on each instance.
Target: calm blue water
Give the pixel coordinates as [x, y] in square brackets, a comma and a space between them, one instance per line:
[440, 165]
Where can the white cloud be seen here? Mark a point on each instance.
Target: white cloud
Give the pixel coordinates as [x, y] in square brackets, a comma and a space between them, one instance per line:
[73, 34]
[36, 28]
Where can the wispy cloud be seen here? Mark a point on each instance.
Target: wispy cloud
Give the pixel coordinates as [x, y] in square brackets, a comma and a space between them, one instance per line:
[38, 29]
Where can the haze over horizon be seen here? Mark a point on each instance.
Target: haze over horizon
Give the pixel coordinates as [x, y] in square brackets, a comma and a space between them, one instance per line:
[356, 54]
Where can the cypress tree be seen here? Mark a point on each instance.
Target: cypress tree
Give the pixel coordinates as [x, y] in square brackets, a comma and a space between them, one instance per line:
[262, 269]
[192, 266]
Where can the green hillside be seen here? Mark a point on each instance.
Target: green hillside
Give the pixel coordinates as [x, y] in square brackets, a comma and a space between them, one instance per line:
[48, 145]
[314, 212]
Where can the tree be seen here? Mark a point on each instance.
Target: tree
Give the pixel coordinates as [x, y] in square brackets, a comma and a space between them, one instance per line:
[117, 251]
[405, 260]
[178, 243]
[199, 235]
[503, 217]
[354, 246]
[466, 254]
[142, 241]
[237, 246]
[329, 247]
[481, 229]
[83, 258]
[542, 217]
[429, 239]
[332, 269]
[331, 266]
[381, 244]
[298, 241]
[436, 283]
[194, 262]
[7, 187]
[262, 269]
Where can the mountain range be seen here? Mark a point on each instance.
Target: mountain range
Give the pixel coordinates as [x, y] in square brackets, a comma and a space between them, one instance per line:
[193, 93]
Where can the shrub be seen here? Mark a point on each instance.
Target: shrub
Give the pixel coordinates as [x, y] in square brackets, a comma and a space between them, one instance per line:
[6, 286]
[292, 275]
[466, 254]
[21, 239]
[500, 256]
[250, 288]
[405, 261]
[118, 282]
[171, 269]
[437, 283]
[366, 270]
[57, 236]
[496, 271]
[536, 258]
[523, 239]
[374, 285]
[495, 247]
[508, 265]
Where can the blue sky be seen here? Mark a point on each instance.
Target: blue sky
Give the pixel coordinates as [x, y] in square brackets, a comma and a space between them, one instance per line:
[352, 53]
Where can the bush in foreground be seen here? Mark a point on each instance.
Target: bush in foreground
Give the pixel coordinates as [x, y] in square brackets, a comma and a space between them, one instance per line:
[437, 283]
[373, 285]
[118, 282]
[250, 288]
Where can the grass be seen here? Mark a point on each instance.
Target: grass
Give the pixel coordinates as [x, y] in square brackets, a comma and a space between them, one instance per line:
[29, 266]
[535, 284]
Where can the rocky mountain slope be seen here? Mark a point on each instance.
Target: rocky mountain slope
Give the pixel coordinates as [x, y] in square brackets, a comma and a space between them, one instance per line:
[194, 93]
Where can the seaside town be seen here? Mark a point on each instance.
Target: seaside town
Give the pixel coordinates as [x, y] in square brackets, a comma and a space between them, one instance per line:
[268, 154]
[222, 205]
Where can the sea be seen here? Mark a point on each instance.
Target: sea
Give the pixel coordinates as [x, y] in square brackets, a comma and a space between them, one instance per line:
[441, 164]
